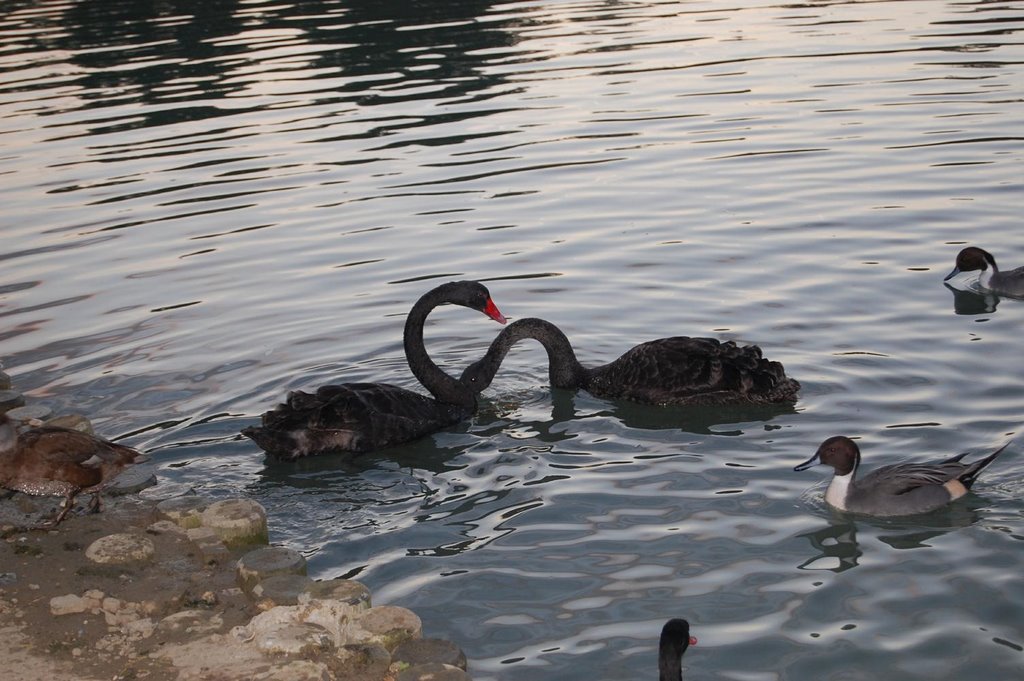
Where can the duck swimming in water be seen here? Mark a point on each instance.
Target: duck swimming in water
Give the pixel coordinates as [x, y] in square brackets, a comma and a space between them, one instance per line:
[898, 489]
[53, 461]
[973, 259]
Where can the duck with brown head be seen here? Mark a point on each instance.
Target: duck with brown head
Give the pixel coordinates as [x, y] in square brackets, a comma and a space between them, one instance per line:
[897, 489]
[52, 461]
[973, 260]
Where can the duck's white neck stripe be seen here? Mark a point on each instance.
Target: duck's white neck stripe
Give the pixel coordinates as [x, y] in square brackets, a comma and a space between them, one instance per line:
[835, 495]
[985, 278]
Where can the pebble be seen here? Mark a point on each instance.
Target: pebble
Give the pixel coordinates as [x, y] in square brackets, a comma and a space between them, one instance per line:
[67, 605]
[117, 549]
[5, 381]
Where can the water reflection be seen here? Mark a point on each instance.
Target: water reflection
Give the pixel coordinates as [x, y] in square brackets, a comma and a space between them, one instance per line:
[967, 302]
[836, 544]
[837, 548]
[379, 52]
[568, 406]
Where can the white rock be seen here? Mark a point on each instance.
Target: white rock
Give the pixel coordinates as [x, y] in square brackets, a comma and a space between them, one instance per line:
[67, 605]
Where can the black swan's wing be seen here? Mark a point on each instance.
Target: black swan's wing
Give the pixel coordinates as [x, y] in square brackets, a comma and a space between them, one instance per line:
[350, 417]
[683, 370]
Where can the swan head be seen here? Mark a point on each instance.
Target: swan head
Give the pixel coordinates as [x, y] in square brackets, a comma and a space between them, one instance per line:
[472, 294]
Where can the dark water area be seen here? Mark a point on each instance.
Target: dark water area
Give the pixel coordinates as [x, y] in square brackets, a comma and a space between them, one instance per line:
[207, 205]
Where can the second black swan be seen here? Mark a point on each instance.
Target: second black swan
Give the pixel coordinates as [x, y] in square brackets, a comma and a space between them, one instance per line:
[361, 417]
[675, 639]
[678, 370]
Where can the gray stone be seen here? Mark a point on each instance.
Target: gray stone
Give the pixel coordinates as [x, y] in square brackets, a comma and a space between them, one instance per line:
[185, 510]
[117, 549]
[10, 399]
[132, 479]
[426, 650]
[257, 565]
[72, 422]
[345, 590]
[280, 590]
[389, 625]
[211, 548]
[5, 381]
[239, 522]
[29, 413]
[358, 662]
[433, 672]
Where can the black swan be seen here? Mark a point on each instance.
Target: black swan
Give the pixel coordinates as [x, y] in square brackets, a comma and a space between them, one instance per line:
[678, 370]
[59, 462]
[360, 417]
[675, 639]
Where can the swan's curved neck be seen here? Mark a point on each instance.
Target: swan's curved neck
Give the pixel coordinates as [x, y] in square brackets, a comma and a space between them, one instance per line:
[442, 386]
[564, 370]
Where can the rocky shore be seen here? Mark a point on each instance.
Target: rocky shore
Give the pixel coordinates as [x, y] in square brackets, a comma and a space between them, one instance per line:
[187, 589]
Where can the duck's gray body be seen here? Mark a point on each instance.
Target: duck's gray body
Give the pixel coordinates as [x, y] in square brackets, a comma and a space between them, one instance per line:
[898, 489]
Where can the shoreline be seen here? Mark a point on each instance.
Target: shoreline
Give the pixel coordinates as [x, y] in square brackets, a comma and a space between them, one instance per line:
[185, 588]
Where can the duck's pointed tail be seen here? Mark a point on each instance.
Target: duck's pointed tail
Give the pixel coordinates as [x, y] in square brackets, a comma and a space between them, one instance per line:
[972, 471]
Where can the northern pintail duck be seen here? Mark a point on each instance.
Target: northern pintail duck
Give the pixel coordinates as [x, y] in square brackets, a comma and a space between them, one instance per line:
[898, 489]
[973, 259]
[675, 639]
[52, 461]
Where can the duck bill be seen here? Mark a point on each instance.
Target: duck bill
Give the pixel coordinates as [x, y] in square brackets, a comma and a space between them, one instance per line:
[492, 311]
[810, 463]
[953, 273]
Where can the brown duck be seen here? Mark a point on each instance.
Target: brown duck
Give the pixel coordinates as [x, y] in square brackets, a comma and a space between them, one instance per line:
[52, 461]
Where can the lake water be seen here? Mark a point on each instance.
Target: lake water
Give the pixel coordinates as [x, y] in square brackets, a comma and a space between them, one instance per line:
[208, 204]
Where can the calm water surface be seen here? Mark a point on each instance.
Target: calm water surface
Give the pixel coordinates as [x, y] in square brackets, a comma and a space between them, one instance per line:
[206, 205]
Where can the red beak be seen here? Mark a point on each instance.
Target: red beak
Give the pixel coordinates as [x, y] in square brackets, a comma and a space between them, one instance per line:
[493, 312]
[693, 640]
